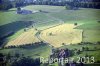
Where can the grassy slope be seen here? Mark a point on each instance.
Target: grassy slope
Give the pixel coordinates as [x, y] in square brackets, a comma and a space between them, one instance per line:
[33, 52]
[8, 17]
[11, 16]
[93, 25]
[91, 36]
[15, 35]
[78, 15]
[91, 31]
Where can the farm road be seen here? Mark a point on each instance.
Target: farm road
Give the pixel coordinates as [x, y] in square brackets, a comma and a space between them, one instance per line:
[39, 31]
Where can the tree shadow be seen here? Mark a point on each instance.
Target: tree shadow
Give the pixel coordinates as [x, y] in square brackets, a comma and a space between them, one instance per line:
[14, 27]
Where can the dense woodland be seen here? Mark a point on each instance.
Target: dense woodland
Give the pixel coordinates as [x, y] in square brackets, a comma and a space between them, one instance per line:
[7, 4]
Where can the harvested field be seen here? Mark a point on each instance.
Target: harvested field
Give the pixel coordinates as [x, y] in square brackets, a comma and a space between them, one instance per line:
[25, 38]
[62, 34]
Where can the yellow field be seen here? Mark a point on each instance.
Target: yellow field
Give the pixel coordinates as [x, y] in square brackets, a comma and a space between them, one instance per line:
[62, 34]
[56, 36]
[25, 38]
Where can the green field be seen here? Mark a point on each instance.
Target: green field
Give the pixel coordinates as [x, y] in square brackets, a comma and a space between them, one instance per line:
[91, 31]
[32, 51]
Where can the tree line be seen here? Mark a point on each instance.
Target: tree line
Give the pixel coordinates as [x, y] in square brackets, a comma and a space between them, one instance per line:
[7, 4]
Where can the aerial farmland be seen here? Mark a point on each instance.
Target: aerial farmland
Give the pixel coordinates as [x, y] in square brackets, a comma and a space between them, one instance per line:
[54, 26]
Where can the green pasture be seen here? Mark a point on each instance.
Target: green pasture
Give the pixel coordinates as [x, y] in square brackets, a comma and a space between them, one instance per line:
[78, 15]
[91, 31]
[34, 52]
